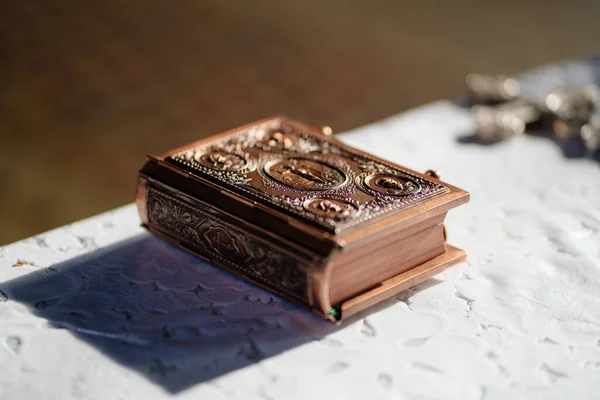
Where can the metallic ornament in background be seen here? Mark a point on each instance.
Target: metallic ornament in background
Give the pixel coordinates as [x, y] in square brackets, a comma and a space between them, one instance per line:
[590, 134]
[503, 109]
[566, 129]
[492, 88]
[495, 123]
[569, 108]
[572, 102]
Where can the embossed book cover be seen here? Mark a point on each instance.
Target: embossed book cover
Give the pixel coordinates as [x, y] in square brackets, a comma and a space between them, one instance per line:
[292, 209]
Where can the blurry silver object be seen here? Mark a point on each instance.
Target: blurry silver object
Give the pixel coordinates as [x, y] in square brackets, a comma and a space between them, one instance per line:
[572, 102]
[492, 88]
[590, 134]
[503, 109]
[566, 129]
[570, 108]
[495, 123]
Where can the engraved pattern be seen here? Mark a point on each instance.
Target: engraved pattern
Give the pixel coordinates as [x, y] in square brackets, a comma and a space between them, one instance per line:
[333, 208]
[305, 174]
[270, 184]
[206, 234]
[221, 161]
[268, 177]
[387, 185]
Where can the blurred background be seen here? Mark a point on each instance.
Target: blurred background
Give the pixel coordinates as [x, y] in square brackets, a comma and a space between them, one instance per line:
[87, 88]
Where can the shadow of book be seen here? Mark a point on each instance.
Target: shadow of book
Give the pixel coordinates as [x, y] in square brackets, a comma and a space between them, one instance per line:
[168, 315]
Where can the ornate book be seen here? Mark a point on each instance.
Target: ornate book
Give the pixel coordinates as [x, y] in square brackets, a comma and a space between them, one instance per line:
[290, 208]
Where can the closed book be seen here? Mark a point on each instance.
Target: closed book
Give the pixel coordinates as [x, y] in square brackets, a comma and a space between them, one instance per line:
[292, 209]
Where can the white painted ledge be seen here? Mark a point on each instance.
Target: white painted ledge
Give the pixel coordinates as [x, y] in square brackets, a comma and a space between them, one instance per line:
[120, 315]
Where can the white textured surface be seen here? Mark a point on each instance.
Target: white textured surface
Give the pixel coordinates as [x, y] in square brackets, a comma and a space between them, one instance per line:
[140, 319]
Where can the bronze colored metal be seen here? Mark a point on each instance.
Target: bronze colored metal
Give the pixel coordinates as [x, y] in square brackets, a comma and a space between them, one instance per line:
[390, 184]
[403, 281]
[327, 131]
[331, 207]
[290, 208]
[434, 173]
[221, 161]
[305, 174]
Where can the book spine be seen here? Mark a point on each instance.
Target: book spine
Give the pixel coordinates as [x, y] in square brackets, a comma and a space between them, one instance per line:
[239, 248]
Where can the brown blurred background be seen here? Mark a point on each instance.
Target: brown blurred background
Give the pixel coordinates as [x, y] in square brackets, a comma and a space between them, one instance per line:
[87, 88]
